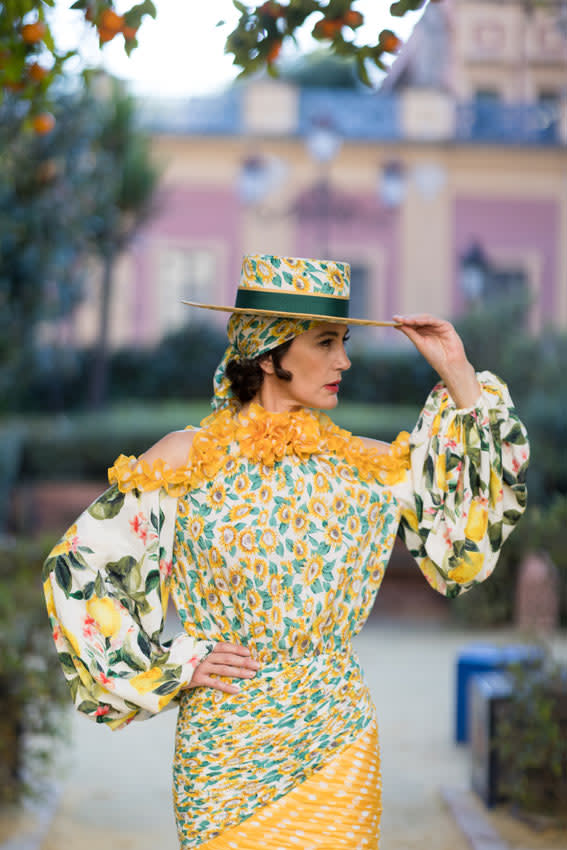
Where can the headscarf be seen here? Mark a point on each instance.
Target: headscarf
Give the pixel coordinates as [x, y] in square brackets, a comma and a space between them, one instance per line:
[251, 336]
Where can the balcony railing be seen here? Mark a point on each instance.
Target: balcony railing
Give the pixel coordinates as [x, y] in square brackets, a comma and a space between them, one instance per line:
[509, 124]
[364, 116]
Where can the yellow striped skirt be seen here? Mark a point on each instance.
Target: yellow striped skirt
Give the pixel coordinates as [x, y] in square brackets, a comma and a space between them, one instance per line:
[291, 761]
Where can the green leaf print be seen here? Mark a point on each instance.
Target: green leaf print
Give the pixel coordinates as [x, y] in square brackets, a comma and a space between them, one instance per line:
[74, 687]
[515, 435]
[108, 505]
[418, 507]
[495, 535]
[429, 472]
[167, 688]
[67, 662]
[152, 581]
[99, 586]
[144, 644]
[512, 517]
[122, 567]
[130, 660]
[78, 594]
[157, 523]
[88, 707]
[76, 561]
[63, 575]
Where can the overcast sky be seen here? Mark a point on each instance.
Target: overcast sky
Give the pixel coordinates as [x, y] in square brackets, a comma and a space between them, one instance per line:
[182, 52]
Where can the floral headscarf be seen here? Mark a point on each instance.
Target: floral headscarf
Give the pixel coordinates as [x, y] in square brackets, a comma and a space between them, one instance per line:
[251, 336]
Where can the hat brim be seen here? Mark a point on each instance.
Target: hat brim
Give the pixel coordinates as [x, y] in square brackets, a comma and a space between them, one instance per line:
[280, 314]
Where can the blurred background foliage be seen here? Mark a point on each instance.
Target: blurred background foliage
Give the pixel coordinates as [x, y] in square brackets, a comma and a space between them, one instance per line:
[32, 690]
[32, 66]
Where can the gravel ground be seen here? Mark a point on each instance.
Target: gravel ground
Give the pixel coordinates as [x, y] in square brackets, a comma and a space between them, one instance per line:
[117, 790]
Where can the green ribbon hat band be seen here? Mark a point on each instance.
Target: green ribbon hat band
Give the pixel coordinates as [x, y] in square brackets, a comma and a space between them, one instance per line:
[290, 302]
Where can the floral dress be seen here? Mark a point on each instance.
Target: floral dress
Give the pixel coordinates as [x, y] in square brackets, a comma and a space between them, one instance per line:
[276, 535]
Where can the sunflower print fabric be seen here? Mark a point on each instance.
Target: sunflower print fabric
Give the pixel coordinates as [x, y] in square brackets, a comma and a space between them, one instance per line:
[275, 535]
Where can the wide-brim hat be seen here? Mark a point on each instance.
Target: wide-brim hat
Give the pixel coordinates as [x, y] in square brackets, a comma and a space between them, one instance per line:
[294, 288]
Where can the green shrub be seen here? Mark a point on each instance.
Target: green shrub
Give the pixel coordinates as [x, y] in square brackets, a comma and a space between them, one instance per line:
[532, 741]
[84, 446]
[32, 686]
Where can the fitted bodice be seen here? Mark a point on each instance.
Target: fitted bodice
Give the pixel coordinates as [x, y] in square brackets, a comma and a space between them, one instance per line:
[285, 558]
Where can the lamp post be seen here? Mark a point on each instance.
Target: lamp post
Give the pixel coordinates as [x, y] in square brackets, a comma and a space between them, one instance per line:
[474, 272]
[323, 143]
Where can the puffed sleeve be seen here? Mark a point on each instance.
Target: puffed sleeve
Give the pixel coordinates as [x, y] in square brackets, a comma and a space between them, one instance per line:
[465, 487]
[106, 587]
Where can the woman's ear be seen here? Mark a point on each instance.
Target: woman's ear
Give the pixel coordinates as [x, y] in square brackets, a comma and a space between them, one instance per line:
[267, 364]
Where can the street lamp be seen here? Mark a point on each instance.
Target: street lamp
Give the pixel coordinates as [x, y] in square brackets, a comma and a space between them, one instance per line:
[474, 272]
[392, 184]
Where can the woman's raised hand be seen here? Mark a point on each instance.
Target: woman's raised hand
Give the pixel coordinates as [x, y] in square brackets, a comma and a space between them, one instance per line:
[226, 659]
[440, 344]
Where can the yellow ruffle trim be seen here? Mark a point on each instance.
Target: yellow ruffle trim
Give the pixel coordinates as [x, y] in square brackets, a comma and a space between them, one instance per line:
[263, 437]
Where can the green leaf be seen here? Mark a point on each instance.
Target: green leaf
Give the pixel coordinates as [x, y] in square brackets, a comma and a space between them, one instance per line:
[99, 586]
[144, 644]
[63, 575]
[131, 661]
[108, 505]
[66, 661]
[167, 688]
[88, 706]
[123, 567]
[152, 581]
[88, 589]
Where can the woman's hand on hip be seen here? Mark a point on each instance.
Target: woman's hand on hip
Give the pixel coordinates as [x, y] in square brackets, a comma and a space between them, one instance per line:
[440, 344]
[226, 659]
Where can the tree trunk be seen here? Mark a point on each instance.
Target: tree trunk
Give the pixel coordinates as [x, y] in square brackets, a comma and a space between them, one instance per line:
[99, 377]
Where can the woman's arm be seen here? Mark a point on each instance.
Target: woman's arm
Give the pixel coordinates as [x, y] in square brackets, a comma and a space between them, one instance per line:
[438, 341]
[227, 659]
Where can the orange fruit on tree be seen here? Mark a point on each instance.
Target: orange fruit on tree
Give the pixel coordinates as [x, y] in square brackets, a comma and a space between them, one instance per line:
[274, 51]
[129, 33]
[327, 28]
[106, 35]
[43, 123]
[37, 72]
[271, 8]
[389, 42]
[352, 19]
[32, 33]
[110, 21]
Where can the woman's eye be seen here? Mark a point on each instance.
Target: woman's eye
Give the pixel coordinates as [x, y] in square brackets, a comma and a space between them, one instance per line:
[326, 342]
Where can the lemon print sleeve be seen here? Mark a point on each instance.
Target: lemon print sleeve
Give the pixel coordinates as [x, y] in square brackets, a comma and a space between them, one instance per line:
[465, 488]
[106, 585]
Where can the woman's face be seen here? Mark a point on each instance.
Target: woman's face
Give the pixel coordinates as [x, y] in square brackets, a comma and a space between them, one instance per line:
[316, 360]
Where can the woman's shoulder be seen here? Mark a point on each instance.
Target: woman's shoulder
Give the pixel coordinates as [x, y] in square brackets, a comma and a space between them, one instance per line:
[379, 445]
[173, 449]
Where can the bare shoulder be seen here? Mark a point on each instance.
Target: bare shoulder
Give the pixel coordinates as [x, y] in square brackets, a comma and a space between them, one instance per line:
[380, 445]
[174, 448]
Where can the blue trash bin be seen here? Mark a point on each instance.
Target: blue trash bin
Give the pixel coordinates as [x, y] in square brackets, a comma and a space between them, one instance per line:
[483, 658]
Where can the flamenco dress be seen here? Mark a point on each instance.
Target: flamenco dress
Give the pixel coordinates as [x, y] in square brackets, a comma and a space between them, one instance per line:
[276, 534]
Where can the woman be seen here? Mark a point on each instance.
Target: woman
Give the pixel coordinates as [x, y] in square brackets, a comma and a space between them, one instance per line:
[271, 528]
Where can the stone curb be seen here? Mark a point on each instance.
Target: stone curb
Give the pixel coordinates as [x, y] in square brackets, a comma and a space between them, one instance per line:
[470, 819]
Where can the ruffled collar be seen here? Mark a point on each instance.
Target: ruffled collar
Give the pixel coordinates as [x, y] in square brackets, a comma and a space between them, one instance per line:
[263, 437]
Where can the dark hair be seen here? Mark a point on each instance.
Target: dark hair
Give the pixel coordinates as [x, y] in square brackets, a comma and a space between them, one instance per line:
[246, 376]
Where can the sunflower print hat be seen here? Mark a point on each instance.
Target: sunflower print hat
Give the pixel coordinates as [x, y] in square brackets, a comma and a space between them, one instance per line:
[279, 298]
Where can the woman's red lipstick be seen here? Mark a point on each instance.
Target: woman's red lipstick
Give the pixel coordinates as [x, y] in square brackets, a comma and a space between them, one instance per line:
[334, 388]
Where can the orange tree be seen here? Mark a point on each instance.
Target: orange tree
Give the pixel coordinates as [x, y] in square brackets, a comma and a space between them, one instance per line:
[30, 62]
